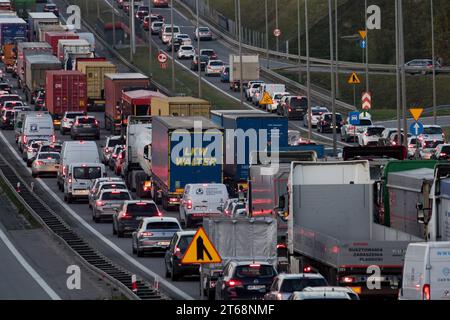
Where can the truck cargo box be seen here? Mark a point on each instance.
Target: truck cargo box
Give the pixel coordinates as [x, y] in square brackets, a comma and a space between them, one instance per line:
[36, 67]
[65, 91]
[180, 106]
[217, 115]
[139, 102]
[53, 37]
[44, 28]
[12, 29]
[25, 49]
[72, 45]
[34, 18]
[95, 72]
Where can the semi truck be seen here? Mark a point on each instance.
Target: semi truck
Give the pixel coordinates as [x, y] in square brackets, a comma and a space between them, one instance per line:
[182, 153]
[338, 237]
[71, 49]
[115, 84]
[249, 132]
[65, 91]
[239, 239]
[52, 38]
[180, 107]
[11, 29]
[25, 49]
[139, 102]
[250, 70]
[36, 18]
[95, 72]
[35, 78]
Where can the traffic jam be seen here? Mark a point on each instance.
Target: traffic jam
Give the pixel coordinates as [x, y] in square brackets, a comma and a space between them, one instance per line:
[224, 204]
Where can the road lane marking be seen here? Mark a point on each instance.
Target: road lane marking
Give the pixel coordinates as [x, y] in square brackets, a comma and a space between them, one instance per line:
[33, 273]
[108, 242]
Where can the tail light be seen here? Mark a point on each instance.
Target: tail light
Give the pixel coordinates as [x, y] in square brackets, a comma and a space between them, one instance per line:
[410, 146]
[189, 204]
[255, 265]
[96, 123]
[442, 154]
[53, 138]
[366, 134]
[64, 170]
[279, 296]
[100, 203]
[307, 269]
[290, 110]
[24, 139]
[233, 283]
[121, 156]
[177, 253]
[70, 180]
[39, 163]
[426, 292]
[348, 279]
[125, 216]
[114, 155]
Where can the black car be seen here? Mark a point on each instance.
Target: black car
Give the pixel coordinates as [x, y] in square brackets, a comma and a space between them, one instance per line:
[176, 45]
[325, 123]
[85, 126]
[203, 60]
[172, 259]
[128, 218]
[7, 120]
[245, 280]
[293, 107]
[50, 7]
[5, 87]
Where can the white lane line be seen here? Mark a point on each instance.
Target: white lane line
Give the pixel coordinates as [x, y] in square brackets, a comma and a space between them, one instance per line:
[108, 242]
[33, 273]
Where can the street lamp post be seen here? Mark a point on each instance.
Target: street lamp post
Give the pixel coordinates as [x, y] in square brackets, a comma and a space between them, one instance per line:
[299, 43]
[276, 25]
[333, 88]
[397, 71]
[173, 47]
[308, 72]
[336, 46]
[403, 71]
[267, 36]
[240, 55]
[367, 48]
[150, 47]
[433, 53]
[199, 64]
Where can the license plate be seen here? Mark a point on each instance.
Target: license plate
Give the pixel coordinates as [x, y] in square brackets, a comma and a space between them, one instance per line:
[86, 126]
[256, 287]
[200, 208]
[163, 243]
[139, 218]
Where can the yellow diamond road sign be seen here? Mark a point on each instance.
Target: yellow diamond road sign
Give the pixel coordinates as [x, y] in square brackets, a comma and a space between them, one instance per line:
[266, 99]
[354, 79]
[416, 113]
[201, 250]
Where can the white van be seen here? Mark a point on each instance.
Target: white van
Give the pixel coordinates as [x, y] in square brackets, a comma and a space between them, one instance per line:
[79, 179]
[202, 200]
[76, 152]
[37, 126]
[426, 272]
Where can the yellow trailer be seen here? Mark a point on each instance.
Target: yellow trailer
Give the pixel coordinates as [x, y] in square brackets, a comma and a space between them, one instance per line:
[95, 72]
[180, 106]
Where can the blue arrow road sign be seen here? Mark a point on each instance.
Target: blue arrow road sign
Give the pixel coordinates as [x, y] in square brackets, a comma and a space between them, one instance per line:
[416, 129]
[354, 118]
[363, 44]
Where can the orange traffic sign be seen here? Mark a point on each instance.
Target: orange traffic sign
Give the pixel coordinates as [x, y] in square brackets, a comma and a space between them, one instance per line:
[363, 34]
[416, 113]
[201, 250]
[266, 99]
[354, 79]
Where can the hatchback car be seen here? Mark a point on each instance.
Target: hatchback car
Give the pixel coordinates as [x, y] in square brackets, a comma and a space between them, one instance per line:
[442, 152]
[225, 74]
[172, 259]
[96, 190]
[128, 217]
[432, 132]
[185, 39]
[154, 234]
[428, 148]
[107, 202]
[316, 113]
[202, 33]
[212, 55]
[156, 26]
[293, 107]
[7, 120]
[176, 45]
[186, 52]
[214, 67]
[141, 12]
[114, 155]
[371, 136]
[118, 164]
[30, 150]
[68, 119]
[203, 61]
[45, 163]
[245, 280]
[85, 126]
[97, 182]
[285, 284]
[325, 123]
[108, 148]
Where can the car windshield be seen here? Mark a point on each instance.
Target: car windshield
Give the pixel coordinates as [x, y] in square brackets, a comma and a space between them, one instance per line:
[291, 285]
[88, 173]
[184, 242]
[175, 30]
[74, 115]
[116, 196]
[432, 130]
[84, 120]
[158, 24]
[162, 225]
[188, 48]
[49, 156]
[142, 209]
[255, 271]
[299, 102]
[375, 131]
[207, 52]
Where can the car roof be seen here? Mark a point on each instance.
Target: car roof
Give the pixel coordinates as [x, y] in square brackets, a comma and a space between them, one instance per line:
[139, 201]
[186, 233]
[300, 276]
[115, 190]
[157, 219]
[321, 295]
[247, 262]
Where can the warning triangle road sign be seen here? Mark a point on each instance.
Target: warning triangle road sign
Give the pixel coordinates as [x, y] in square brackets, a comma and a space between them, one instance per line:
[416, 113]
[363, 34]
[266, 99]
[201, 250]
[354, 79]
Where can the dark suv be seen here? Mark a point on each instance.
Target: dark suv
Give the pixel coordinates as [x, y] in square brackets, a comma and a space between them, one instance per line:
[127, 219]
[293, 107]
[172, 259]
[325, 123]
[7, 121]
[245, 280]
[85, 126]
[203, 61]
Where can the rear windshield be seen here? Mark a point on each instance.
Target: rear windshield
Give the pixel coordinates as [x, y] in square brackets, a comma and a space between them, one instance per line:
[35, 145]
[446, 149]
[365, 122]
[49, 156]
[114, 186]
[432, 130]
[187, 48]
[86, 120]
[175, 30]
[116, 196]
[158, 24]
[299, 102]
[88, 173]
[318, 112]
[163, 226]
[375, 131]
[432, 144]
[51, 148]
[207, 52]
[329, 117]
[74, 115]
[113, 142]
[291, 285]
[216, 63]
[143, 8]
[255, 272]
[118, 150]
[203, 29]
[142, 209]
[184, 242]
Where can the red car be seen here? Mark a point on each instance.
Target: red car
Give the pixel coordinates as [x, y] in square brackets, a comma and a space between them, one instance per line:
[161, 3]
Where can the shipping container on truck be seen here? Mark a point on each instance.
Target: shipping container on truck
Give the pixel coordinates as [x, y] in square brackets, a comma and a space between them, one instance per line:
[95, 72]
[71, 45]
[180, 107]
[245, 139]
[52, 38]
[171, 172]
[36, 18]
[338, 237]
[35, 78]
[115, 83]
[95, 59]
[65, 91]
[44, 28]
[216, 116]
[139, 102]
[250, 70]
[25, 49]
[12, 29]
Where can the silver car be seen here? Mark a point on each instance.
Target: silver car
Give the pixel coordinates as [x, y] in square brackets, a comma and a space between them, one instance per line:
[107, 202]
[108, 148]
[45, 163]
[118, 185]
[96, 183]
[154, 234]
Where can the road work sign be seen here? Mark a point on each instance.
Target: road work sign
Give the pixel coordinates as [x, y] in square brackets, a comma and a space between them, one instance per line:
[266, 99]
[201, 250]
[354, 79]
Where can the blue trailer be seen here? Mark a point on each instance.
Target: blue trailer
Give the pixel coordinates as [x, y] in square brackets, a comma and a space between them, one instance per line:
[11, 30]
[181, 154]
[240, 129]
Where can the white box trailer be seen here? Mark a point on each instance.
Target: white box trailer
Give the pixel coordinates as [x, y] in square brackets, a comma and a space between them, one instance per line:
[250, 69]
